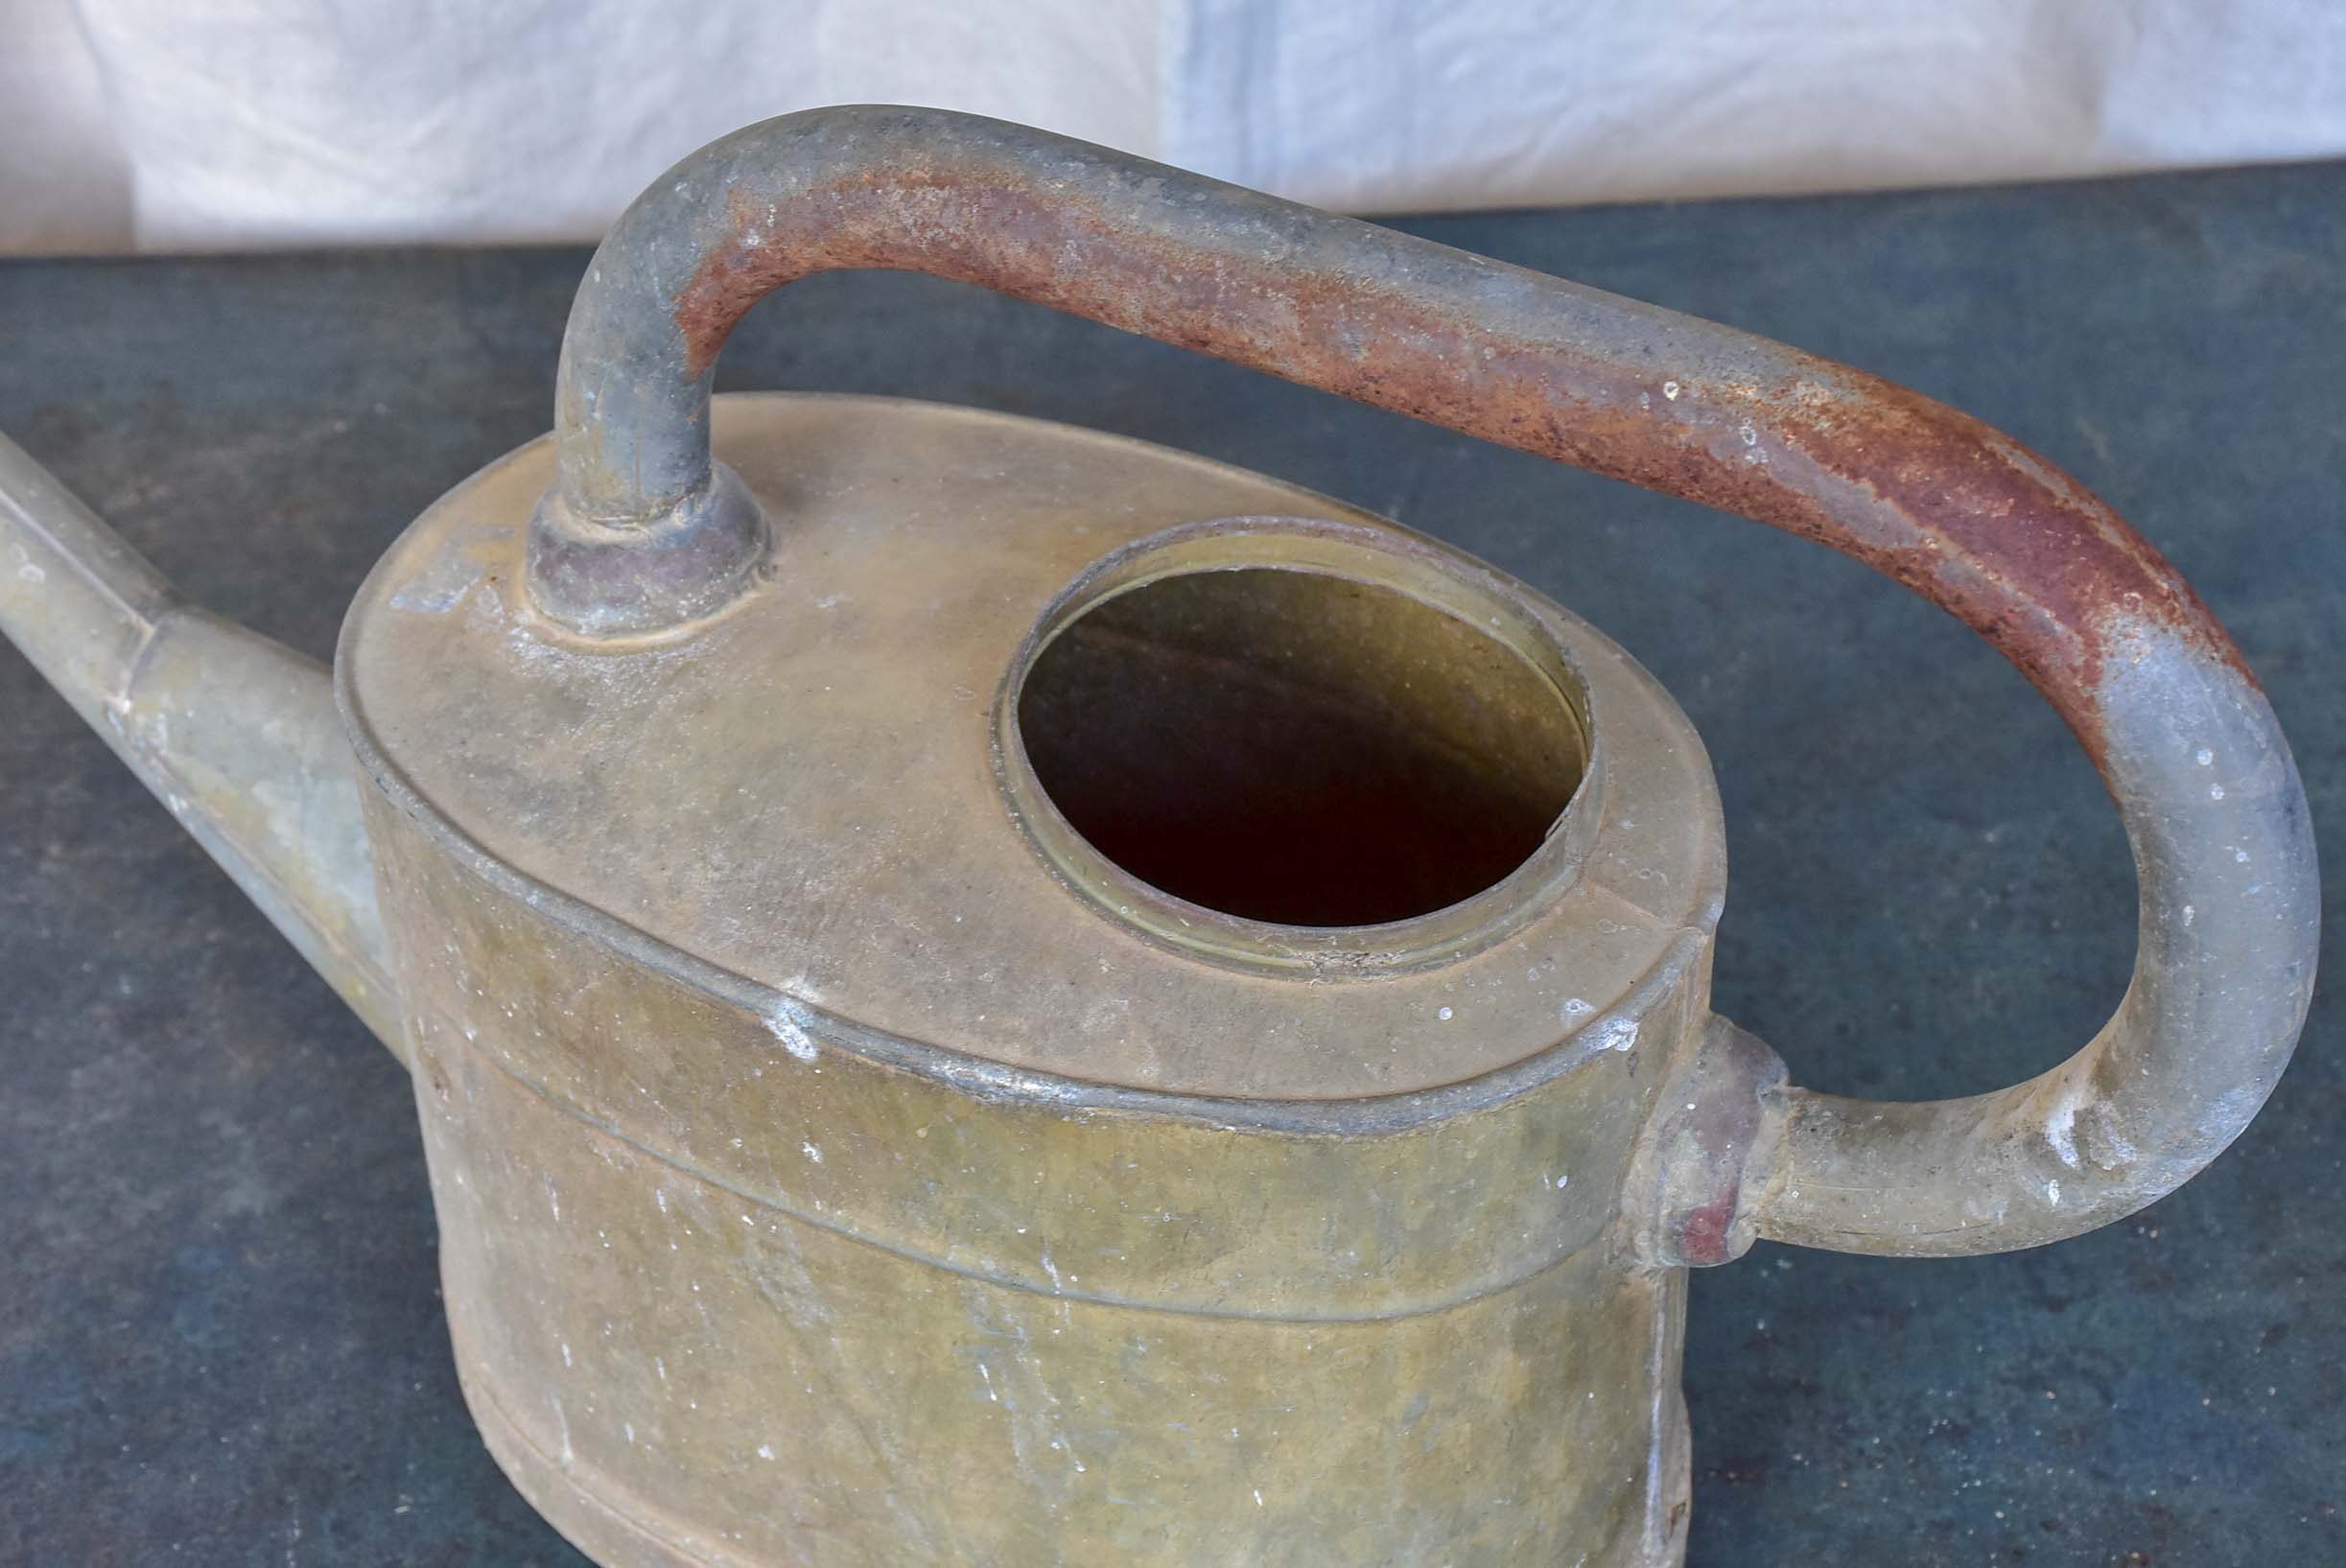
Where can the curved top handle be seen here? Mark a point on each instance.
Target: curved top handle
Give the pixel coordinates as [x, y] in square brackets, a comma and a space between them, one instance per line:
[644, 532]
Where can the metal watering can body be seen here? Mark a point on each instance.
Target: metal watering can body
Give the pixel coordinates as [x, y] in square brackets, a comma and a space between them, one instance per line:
[982, 993]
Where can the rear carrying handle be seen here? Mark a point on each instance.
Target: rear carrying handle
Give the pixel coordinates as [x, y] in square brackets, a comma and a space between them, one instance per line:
[644, 532]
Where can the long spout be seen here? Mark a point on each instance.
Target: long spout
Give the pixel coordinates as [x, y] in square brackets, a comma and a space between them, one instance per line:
[236, 735]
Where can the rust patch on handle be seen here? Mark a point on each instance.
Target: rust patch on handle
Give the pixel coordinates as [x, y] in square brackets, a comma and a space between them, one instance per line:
[1927, 497]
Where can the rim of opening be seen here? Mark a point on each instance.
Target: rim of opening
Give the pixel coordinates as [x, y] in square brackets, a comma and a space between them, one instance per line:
[1384, 557]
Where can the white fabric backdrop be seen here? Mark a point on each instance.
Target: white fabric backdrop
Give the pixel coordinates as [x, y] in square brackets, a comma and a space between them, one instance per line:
[170, 124]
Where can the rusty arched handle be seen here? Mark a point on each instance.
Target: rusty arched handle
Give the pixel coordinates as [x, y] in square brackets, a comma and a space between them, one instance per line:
[644, 530]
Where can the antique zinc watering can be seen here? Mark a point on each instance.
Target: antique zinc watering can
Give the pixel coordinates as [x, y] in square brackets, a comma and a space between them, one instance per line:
[984, 993]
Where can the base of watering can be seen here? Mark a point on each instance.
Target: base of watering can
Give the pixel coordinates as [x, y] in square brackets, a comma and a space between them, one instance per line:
[612, 1538]
[616, 1540]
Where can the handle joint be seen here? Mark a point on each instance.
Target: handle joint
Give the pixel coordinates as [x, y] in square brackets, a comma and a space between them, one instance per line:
[1717, 1119]
[609, 580]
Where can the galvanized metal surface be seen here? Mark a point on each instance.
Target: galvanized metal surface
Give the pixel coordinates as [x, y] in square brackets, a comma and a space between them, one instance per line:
[512, 935]
[1160, 1220]
[274, 1277]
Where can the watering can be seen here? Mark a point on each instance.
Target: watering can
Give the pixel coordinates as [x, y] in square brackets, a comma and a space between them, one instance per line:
[981, 992]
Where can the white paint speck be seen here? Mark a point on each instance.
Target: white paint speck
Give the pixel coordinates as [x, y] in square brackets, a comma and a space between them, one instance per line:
[1617, 1035]
[2052, 1193]
[983, 1372]
[2187, 913]
[1670, 390]
[1259, 1497]
[1563, 1181]
[1575, 1008]
[2204, 756]
[766, 1451]
[2060, 1131]
[785, 1024]
[566, 1352]
[812, 1152]
[1444, 1014]
[2215, 792]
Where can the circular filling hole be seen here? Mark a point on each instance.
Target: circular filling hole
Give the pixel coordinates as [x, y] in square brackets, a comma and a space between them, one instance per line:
[1295, 747]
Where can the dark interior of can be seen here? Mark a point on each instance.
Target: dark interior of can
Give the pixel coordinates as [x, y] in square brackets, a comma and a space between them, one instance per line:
[1297, 747]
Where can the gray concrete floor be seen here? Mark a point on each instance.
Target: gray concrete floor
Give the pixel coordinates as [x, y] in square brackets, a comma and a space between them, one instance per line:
[220, 1338]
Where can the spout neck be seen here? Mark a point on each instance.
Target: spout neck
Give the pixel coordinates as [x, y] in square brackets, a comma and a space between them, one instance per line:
[236, 735]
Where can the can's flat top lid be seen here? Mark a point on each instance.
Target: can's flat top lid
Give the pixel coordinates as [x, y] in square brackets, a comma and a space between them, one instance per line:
[825, 790]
